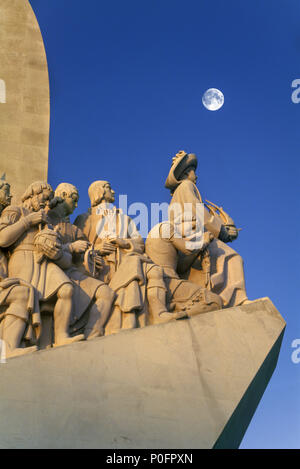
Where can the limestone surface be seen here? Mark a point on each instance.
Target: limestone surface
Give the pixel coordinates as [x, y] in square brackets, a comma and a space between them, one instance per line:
[191, 383]
[24, 97]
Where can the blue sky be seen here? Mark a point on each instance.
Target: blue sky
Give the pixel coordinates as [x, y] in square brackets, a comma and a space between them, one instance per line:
[126, 82]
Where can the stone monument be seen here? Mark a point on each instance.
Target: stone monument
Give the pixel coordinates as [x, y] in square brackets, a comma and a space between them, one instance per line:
[24, 97]
[192, 383]
[108, 341]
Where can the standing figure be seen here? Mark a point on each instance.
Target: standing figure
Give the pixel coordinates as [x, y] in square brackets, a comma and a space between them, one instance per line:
[128, 271]
[92, 298]
[225, 266]
[36, 255]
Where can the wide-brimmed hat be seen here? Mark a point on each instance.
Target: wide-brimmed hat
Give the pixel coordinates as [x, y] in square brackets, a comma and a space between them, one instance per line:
[181, 162]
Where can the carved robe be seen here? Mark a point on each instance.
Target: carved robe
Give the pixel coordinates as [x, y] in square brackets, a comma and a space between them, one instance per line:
[126, 270]
[32, 314]
[161, 250]
[226, 271]
[46, 276]
[84, 285]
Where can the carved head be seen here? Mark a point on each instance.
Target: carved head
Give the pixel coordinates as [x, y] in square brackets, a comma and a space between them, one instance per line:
[5, 197]
[37, 196]
[183, 167]
[189, 173]
[100, 191]
[69, 195]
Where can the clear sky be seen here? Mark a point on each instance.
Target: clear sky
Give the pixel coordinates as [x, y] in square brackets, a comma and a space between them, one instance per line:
[126, 82]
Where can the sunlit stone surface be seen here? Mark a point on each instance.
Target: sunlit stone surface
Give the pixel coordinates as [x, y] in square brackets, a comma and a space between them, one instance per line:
[24, 97]
[193, 383]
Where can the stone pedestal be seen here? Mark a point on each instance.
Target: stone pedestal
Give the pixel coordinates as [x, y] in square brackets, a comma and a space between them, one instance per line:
[194, 383]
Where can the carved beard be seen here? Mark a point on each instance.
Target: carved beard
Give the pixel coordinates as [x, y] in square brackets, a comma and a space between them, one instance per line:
[35, 204]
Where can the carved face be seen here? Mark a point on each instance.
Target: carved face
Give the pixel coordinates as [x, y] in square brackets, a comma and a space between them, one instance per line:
[70, 202]
[109, 194]
[5, 197]
[190, 175]
[39, 201]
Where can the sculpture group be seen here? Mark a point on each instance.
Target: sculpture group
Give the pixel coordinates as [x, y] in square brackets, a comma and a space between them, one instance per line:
[62, 282]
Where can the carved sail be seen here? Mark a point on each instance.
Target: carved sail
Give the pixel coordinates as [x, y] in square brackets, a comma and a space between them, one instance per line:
[24, 97]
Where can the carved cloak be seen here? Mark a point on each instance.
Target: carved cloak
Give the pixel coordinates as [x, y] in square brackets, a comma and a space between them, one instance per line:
[227, 272]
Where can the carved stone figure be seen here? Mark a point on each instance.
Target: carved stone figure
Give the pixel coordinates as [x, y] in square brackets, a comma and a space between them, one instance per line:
[17, 311]
[225, 267]
[92, 298]
[36, 254]
[163, 247]
[129, 272]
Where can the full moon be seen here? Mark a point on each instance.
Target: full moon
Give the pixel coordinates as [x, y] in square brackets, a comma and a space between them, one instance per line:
[213, 99]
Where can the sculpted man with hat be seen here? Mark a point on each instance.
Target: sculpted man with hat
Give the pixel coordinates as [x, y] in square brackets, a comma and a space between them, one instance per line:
[37, 256]
[128, 271]
[220, 268]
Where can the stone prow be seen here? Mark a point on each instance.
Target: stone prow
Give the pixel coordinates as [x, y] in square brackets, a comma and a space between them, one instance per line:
[191, 383]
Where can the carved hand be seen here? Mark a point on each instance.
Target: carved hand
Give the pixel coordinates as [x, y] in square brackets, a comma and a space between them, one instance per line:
[52, 252]
[98, 261]
[122, 243]
[35, 218]
[107, 248]
[79, 246]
